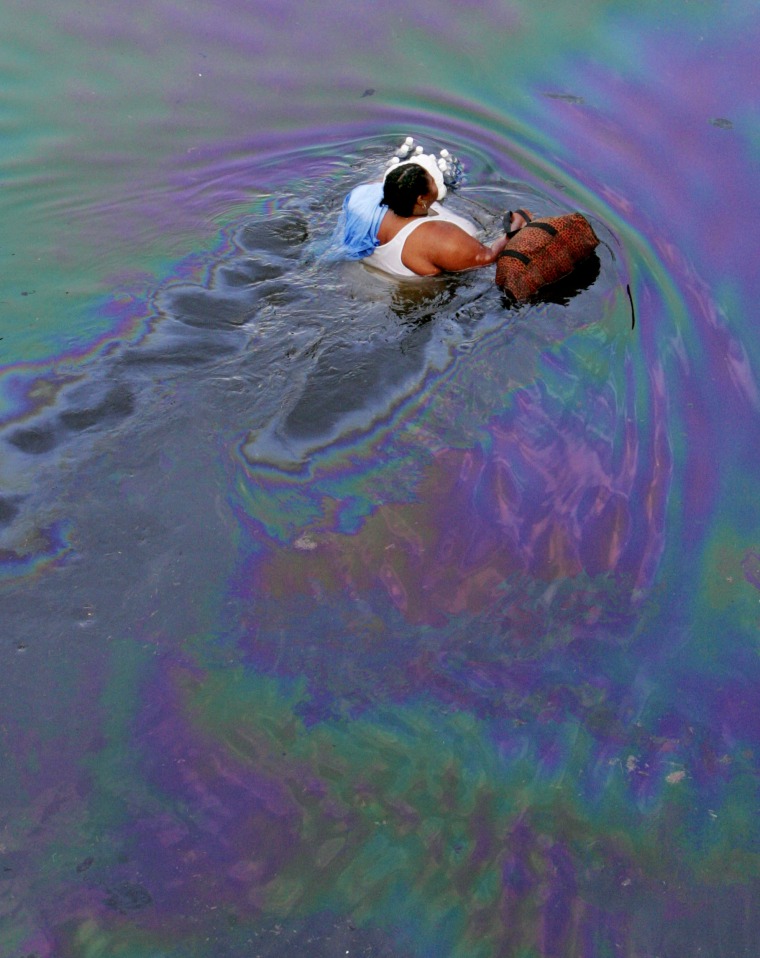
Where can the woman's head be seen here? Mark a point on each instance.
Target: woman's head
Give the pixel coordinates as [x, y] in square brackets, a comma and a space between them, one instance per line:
[405, 185]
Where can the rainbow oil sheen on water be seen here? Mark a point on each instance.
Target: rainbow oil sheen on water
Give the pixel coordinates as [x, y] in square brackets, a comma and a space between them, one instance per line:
[346, 617]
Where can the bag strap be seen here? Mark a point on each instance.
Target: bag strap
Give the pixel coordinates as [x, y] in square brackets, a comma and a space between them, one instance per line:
[507, 222]
[515, 254]
[546, 227]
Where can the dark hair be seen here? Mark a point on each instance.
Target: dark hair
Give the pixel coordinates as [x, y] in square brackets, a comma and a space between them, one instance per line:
[403, 185]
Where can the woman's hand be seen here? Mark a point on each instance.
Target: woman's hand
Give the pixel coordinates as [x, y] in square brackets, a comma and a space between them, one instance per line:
[519, 219]
[498, 245]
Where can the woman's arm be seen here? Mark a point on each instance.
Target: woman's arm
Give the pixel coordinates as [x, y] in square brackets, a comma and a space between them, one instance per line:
[444, 247]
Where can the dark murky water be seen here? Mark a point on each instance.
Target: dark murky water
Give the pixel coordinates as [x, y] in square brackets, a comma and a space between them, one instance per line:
[351, 617]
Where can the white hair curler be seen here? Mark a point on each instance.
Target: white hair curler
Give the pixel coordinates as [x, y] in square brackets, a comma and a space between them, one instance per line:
[445, 169]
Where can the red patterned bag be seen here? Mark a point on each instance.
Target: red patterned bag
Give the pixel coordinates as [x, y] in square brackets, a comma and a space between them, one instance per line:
[542, 252]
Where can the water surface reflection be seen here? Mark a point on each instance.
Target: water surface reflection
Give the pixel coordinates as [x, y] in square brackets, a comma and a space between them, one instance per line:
[346, 615]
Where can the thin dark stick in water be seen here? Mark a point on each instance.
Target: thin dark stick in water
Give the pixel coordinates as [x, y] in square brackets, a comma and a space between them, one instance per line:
[633, 310]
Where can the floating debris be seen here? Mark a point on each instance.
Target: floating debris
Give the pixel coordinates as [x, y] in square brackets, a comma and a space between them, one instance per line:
[567, 97]
[305, 543]
[675, 777]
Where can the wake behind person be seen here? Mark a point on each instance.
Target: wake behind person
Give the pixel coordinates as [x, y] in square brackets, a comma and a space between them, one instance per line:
[399, 225]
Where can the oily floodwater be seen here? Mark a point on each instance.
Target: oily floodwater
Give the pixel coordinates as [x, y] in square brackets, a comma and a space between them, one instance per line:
[348, 617]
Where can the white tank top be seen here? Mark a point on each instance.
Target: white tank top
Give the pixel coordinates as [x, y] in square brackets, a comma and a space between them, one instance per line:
[388, 256]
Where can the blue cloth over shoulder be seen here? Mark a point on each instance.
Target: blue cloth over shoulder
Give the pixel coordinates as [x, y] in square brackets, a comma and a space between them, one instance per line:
[355, 236]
